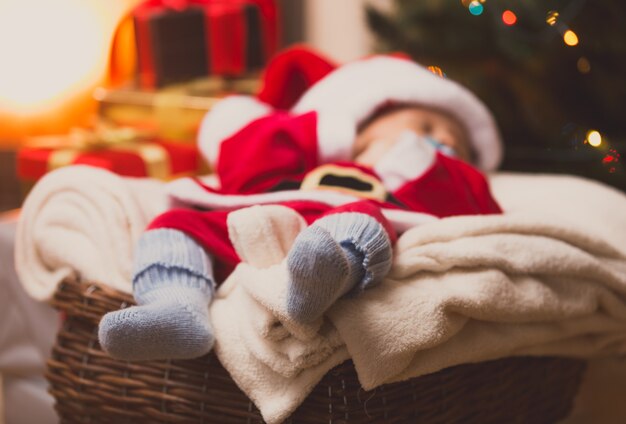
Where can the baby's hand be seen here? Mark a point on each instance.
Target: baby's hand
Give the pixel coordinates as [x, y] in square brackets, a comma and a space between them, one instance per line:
[407, 160]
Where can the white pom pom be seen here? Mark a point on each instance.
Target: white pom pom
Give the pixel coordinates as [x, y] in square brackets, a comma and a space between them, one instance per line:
[225, 119]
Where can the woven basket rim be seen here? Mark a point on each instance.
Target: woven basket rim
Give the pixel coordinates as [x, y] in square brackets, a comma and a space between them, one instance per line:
[87, 383]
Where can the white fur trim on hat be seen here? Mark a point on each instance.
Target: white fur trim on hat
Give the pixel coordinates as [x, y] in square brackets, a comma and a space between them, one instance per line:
[351, 93]
[226, 118]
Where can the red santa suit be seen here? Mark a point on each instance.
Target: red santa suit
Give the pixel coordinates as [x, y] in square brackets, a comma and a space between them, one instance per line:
[301, 157]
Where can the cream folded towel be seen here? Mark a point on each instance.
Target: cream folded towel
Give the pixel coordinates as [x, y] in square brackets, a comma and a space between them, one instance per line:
[546, 278]
[262, 236]
[477, 288]
[83, 222]
[275, 360]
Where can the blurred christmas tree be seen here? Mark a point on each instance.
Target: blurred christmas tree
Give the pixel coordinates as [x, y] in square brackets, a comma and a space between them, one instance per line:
[552, 71]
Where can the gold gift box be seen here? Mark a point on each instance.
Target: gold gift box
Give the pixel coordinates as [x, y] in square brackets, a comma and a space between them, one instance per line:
[173, 112]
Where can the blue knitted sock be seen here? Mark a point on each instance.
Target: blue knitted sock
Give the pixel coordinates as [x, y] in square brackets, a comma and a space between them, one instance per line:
[173, 287]
[337, 254]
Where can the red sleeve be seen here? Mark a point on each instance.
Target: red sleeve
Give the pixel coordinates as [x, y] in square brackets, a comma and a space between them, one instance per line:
[270, 150]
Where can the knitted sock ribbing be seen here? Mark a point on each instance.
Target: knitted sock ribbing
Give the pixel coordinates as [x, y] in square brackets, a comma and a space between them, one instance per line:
[337, 254]
[173, 287]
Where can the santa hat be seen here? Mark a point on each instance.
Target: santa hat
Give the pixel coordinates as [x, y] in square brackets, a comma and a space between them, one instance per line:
[300, 81]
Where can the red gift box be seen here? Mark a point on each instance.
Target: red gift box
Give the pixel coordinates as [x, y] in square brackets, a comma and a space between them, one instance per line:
[179, 40]
[127, 155]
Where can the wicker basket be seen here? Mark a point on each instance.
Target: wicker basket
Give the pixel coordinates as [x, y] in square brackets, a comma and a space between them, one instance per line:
[89, 386]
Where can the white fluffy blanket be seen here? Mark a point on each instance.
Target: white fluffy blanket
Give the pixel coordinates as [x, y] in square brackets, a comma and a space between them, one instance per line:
[546, 278]
[83, 222]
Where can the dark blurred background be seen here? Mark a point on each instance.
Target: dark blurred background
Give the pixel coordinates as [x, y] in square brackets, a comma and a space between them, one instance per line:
[552, 71]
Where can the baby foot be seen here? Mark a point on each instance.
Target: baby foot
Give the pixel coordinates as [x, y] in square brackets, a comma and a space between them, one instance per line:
[321, 270]
[339, 253]
[167, 329]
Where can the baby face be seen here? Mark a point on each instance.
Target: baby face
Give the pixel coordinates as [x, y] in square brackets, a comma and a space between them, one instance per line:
[380, 135]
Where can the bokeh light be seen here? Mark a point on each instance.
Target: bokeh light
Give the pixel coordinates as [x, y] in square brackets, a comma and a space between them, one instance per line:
[552, 17]
[53, 54]
[611, 160]
[49, 50]
[436, 70]
[594, 138]
[476, 8]
[570, 38]
[509, 18]
[583, 65]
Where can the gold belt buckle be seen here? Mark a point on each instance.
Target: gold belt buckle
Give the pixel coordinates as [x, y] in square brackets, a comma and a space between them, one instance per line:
[346, 180]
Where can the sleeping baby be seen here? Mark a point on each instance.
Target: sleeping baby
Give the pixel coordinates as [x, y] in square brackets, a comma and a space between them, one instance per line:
[362, 152]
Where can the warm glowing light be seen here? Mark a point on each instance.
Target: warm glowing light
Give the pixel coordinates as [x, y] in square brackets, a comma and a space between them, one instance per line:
[48, 49]
[509, 18]
[552, 17]
[594, 138]
[52, 55]
[436, 70]
[468, 3]
[570, 38]
[583, 65]
[52, 50]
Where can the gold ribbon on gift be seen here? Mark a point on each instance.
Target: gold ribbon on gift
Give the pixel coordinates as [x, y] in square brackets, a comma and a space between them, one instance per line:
[177, 113]
[105, 137]
[173, 112]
